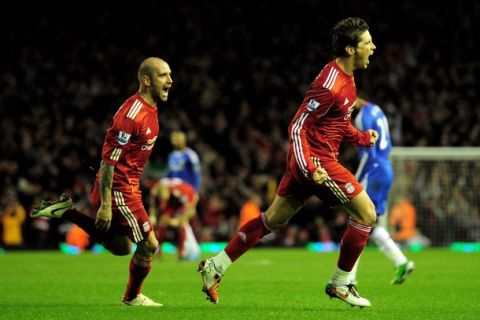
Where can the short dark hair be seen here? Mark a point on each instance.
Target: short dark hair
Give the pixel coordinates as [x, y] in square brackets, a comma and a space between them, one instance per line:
[345, 33]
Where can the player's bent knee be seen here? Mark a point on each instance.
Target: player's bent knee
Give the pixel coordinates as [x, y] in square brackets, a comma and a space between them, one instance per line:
[366, 213]
[369, 217]
[275, 223]
[147, 248]
[153, 246]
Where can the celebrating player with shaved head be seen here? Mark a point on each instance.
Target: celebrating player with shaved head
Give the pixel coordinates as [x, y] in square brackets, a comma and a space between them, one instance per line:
[121, 217]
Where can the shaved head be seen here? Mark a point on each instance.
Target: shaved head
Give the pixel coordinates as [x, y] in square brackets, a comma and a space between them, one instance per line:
[155, 79]
[149, 66]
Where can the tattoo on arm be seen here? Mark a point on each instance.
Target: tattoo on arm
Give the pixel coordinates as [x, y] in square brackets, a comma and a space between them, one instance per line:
[106, 180]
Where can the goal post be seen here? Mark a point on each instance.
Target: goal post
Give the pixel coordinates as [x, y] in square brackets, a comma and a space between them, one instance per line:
[443, 184]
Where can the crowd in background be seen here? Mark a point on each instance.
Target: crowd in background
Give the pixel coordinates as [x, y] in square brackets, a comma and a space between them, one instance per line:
[240, 71]
[443, 217]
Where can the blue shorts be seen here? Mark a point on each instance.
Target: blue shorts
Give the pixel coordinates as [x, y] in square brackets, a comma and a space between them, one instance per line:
[377, 182]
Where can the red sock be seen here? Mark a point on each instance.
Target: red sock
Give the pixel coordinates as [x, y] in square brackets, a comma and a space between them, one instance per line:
[139, 270]
[248, 236]
[352, 245]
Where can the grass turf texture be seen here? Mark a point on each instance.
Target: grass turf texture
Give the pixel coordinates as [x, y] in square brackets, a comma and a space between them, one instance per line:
[263, 284]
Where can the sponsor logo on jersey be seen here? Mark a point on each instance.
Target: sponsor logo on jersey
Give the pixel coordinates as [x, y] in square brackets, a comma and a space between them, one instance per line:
[350, 188]
[149, 144]
[123, 138]
[146, 226]
[312, 105]
[349, 111]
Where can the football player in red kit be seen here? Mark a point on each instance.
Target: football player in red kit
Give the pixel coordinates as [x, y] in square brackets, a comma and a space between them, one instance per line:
[173, 204]
[321, 123]
[121, 217]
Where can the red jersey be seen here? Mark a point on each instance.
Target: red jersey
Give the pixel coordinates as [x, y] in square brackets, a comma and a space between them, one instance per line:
[182, 195]
[129, 142]
[322, 121]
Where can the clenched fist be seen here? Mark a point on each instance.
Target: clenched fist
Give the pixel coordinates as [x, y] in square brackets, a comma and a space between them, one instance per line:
[373, 137]
[320, 175]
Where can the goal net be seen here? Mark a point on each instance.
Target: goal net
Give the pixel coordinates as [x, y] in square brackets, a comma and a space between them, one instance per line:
[443, 184]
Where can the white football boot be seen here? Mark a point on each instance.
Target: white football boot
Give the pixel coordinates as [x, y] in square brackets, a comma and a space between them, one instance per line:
[348, 294]
[210, 278]
[142, 301]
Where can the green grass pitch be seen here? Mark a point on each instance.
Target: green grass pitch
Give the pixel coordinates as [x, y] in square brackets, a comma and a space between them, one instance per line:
[263, 284]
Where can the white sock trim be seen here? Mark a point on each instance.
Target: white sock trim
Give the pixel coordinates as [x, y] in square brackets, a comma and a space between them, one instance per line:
[359, 226]
[340, 278]
[222, 261]
[264, 220]
[353, 274]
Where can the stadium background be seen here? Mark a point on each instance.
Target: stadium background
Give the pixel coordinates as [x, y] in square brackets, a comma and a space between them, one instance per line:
[239, 70]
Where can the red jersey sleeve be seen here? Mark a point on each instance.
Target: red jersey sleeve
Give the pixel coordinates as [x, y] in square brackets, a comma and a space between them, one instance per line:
[316, 105]
[119, 135]
[356, 137]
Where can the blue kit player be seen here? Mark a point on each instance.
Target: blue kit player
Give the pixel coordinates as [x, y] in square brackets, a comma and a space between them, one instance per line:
[375, 173]
[183, 162]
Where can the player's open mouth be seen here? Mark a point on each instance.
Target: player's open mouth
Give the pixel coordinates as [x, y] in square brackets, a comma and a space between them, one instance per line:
[368, 57]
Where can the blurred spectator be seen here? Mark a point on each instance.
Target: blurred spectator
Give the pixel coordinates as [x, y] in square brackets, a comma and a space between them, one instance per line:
[12, 218]
[323, 232]
[250, 209]
[403, 220]
[77, 238]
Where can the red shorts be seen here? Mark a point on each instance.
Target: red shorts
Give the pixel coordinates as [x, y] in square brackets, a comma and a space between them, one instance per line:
[128, 214]
[340, 187]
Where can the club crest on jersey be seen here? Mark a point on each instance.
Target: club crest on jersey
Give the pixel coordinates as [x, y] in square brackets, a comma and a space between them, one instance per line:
[350, 188]
[312, 105]
[146, 227]
[123, 138]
